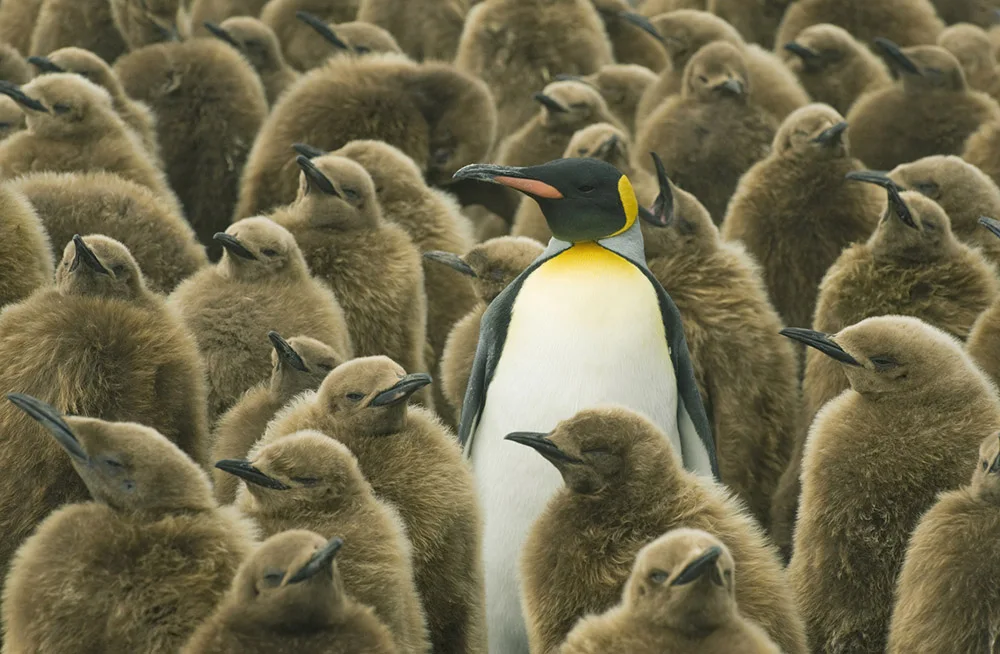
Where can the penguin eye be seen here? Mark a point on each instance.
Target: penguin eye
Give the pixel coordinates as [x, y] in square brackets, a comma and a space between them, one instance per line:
[324, 367]
[268, 252]
[579, 105]
[355, 397]
[703, 79]
[586, 188]
[273, 578]
[930, 189]
[659, 576]
[118, 270]
[351, 195]
[306, 481]
[361, 49]
[883, 363]
[61, 108]
[986, 465]
[113, 463]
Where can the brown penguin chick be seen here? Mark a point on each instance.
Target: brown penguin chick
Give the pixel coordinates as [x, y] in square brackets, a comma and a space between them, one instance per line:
[152, 552]
[289, 598]
[209, 105]
[255, 41]
[316, 40]
[633, 38]
[262, 283]
[679, 598]
[371, 264]
[492, 266]
[875, 459]
[11, 117]
[833, 66]
[756, 21]
[59, 24]
[160, 240]
[216, 11]
[424, 29]
[441, 118]
[795, 212]
[686, 32]
[299, 41]
[146, 22]
[982, 148]
[943, 601]
[136, 115]
[565, 107]
[624, 487]
[984, 339]
[26, 262]
[963, 191]
[17, 21]
[906, 22]
[979, 13]
[434, 222]
[13, 67]
[71, 126]
[517, 47]
[310, 481]
[711, 133]
[413, 462]
[929, 111]
[912, 265]
[621, 86]
[297, 365]
[653, 8]
[747, 376]
[972, 47]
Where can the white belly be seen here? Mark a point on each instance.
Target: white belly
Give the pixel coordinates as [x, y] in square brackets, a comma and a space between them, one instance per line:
[577, 339]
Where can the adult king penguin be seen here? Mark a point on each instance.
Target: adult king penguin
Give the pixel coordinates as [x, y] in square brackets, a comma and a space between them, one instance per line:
[585, 325]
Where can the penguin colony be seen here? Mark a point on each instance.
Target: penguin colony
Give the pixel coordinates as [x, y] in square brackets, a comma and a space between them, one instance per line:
[500, 326]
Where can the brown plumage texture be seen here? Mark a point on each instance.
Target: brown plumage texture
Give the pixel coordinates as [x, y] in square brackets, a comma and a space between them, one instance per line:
[546, 135]
[146, 22]
[982, 150]
[945, 599]
[875, 459]
[136, 115]
[216, 11]
[746, 374]
[972, 47]
[630, 43]
[266, 612]
[963, 191]
[209, 104]
[413, 462]
[795, 212]
[931, 113]
[756, 20]
[299, 41]
[327, 493]
[306, 49]
[651, 8]
[86, 24]
[241, 427]
[842, 70]
[160, 240]
[231, 306]
[261, 48]
[982, 14]
[439, 117]
[11, 117]
[152, 553]
[708, 136]
[625, 490]
[923, 272]
[772, 85]
[424, 29]
[17, 21]
[14, 67]
[906, 22]
[657, 617]
[372, 266]
[79, 131]
[984, 342]
[517, 48]
[496, 263]
[26, 261]
[621, 86]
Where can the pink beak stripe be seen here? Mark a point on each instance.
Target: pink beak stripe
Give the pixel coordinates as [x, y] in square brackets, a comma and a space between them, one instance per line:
[532, 186]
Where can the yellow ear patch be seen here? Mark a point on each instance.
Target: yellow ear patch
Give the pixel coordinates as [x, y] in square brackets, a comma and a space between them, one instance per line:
[629, 203]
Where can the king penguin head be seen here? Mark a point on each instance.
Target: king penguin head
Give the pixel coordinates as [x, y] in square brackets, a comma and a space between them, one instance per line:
[582, 199]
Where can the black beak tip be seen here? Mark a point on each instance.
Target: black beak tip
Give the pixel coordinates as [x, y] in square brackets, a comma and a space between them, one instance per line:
[991, 224]
[550, 103]
[307, 151]
[453, 261]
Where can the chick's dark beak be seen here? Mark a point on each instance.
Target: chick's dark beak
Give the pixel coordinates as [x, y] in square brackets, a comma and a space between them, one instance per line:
[550, 103]
[831, 135]
[86, 256]
[642, 23]
[662, 213]
[540, 443]
[322, 29]
[286, 353]
[821, 342]
[15, 93]
[51, 419]
[307, 151]
[731, 87]
[315, 177]
[990, 224]
[453, 261]
[45, 65]
[250, 474]
[220, 33]
[699, 567]
[233, 246]
[897, 58]
[807, 55]
[318, 562]
[896, 203]
[401, 390]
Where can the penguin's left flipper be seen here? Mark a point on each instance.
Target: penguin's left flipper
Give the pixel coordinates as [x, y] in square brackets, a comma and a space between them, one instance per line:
[692, 420]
